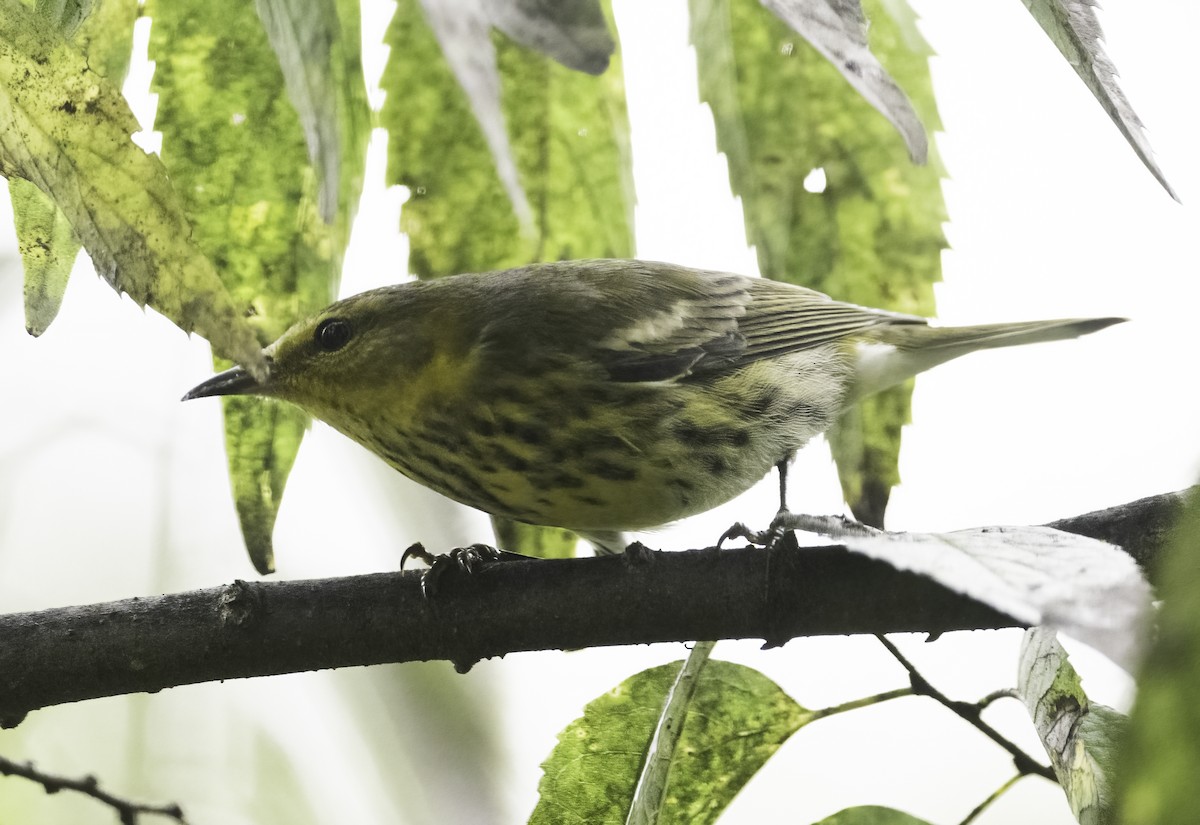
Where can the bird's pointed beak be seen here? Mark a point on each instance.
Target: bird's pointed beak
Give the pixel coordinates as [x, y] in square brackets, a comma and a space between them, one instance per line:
[234, 381]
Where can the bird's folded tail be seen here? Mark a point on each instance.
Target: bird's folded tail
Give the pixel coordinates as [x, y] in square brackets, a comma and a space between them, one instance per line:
[896, 352]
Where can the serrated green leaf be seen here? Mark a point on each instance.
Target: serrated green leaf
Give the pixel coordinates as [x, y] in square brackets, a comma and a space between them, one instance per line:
[564, 135]
[322, 69]
[466, 208]
[235, 147]
[872, 234]
[738, 719]
[66, 129]
[261, 442]
[1079, 736]
[871, 815]
[1160, 758]
[865, 443]
[568, 138]
[105, 35]
[48, 248]
[104, 32]
[1073, 27]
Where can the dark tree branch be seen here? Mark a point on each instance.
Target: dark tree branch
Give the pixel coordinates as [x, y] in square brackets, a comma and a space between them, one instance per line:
[128, 812]
[256, 629]
[969, 712]
[1140, 527]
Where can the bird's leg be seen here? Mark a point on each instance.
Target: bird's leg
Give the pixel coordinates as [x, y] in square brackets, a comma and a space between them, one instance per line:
[469, 559]
[768, 537]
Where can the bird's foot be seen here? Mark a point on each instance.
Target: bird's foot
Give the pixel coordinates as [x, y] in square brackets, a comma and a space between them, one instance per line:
[760, 538]
[469, 560]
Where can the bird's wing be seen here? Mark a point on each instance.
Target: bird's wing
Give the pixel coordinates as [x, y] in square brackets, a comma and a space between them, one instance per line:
[715, 321]
[782, 318]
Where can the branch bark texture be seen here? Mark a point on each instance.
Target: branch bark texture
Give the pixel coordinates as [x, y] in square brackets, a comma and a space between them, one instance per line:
[249, 629]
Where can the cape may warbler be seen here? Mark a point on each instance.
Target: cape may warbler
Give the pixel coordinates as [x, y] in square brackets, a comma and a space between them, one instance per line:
[600, 395]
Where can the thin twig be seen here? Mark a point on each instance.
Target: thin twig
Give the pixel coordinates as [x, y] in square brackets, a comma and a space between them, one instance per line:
[970, 713]
[126, 809]
[995, 695]
[996, 794]
[866, 701]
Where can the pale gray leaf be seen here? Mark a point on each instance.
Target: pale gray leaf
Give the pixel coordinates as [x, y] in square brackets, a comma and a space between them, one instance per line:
[838, 30]
[573, 32]
[302, 34]
[1073, 27]
[649, 795]
[463, 30]
[1079, 736]
[1088, 589]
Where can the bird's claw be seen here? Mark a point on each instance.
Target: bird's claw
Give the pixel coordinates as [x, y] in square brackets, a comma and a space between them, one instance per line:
[760, 538]
[469, 559]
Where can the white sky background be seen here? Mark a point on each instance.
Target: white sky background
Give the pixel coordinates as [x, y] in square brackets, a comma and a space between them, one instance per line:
[1051, 215]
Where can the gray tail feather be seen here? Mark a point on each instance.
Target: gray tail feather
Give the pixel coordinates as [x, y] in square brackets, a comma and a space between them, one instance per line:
[987, 336]
[919, 347]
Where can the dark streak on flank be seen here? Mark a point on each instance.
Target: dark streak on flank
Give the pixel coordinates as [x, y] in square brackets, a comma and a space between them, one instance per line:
[715, 464]
[510, 460]
[484, 427]
[609, 470]
[534, 435]
[760, 406]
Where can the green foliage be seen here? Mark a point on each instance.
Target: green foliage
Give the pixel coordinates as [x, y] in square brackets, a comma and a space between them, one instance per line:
[48, 249]
[1161, 756]
[317, 43]
[66, 128]
[738, 718]
[102, 31]
[871, 815]
[542, 542]
[568, 134]
[235, 148]
[873, 236]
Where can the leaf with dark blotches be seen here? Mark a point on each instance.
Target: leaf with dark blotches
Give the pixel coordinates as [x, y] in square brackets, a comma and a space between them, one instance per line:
[539, 169]
[104, 32]
[236, 148]
[830, 196]
[1073, 27]
[737, 718]
[1080, 736]
[66, 129]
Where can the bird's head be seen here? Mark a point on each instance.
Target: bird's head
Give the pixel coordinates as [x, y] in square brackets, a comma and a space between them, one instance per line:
[379, 352]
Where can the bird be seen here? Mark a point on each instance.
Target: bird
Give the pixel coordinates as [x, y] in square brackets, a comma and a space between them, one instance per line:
[602, 396]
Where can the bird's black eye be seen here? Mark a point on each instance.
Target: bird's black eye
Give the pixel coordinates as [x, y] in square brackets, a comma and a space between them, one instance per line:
[332, 334]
